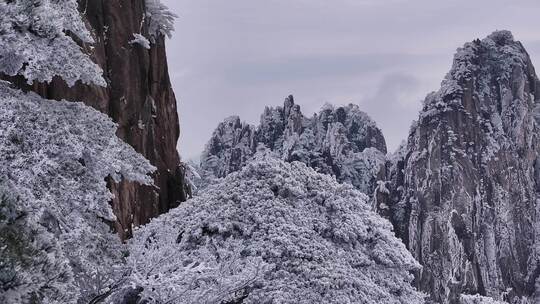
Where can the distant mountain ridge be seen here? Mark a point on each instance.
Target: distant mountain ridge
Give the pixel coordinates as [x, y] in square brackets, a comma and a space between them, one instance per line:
[341, 141]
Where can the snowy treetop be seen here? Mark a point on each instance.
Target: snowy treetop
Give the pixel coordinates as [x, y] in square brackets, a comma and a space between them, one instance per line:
[160, 19]
[55, 157]
[296, 236]
[37, 43]
[478, 299]
[502, 37]
[350, 112]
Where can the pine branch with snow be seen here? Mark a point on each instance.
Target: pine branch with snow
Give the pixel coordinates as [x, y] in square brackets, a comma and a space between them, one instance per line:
[37, 39]
[56, 157]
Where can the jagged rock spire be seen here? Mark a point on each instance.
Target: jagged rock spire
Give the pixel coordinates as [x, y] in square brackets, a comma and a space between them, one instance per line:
[341, 141]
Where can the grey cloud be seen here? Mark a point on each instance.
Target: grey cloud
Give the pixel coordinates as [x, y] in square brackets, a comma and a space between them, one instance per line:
[395, 102]
[316, 67]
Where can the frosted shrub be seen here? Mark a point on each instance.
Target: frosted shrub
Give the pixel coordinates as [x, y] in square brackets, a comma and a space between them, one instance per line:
[56, 244]
[273, 232]
[37, 42]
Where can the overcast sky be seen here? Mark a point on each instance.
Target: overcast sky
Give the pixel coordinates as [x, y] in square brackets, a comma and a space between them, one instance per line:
[234, 57]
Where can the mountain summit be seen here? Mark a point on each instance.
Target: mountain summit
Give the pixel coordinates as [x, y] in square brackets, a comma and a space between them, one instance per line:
[466, 186]
[339, 140]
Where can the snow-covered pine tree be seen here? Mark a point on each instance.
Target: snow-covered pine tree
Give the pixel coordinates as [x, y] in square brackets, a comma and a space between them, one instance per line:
[56, 245]
[38, 42]
[160, 19]
[274, 232]
[55, 157]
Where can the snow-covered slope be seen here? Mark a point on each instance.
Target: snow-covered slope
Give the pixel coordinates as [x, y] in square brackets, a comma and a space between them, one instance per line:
[465, 189]
[341, 141]
[56, 159]
[273, 232]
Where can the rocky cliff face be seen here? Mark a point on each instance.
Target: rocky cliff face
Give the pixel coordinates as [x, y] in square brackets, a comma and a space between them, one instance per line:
[465, 188]
[138, 97]
[341, 141]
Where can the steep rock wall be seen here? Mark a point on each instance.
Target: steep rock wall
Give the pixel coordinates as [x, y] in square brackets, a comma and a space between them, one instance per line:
[464, 190]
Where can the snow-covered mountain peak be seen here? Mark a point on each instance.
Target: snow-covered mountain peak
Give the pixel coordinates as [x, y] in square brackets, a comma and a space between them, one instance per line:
[339, 140]
[465, 189]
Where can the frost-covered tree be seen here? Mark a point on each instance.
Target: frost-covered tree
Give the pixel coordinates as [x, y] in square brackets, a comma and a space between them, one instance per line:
[38, 42]
[56, 158]
[56, 244]
[28, 273]
[274, 232]
[160, 19]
